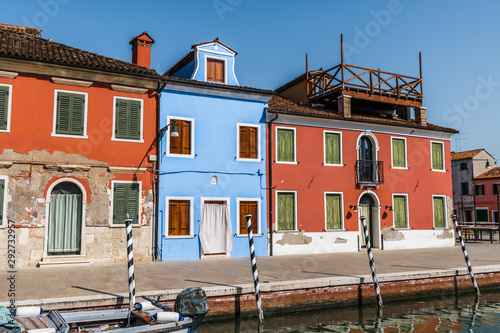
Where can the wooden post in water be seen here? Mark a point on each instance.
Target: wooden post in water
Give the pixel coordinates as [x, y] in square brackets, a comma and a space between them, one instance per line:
[372, 262]
[130, 261]
[466, 256]
[254, 267]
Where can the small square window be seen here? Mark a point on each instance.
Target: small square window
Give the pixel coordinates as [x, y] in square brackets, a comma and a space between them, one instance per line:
[464, 188]
[126, 198]
[70, 114]
[215, 70]
[479, 189]
[463, 166]
[128, 119]
[496, 188]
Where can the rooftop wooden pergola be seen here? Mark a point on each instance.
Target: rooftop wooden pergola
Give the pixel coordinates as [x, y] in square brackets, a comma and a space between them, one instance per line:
[380, 90]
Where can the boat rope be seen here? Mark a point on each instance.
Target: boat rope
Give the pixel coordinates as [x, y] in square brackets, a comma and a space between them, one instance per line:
[130, 260]
[466, 255]
[254, 267]
[372, 262]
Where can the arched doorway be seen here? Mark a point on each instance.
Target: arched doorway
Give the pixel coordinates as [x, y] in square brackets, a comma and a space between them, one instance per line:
[369, 208]
[65, 220]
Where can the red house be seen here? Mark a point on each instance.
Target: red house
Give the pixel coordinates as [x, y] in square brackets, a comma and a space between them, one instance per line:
[76, 130]
[487, 195]
[344, 144]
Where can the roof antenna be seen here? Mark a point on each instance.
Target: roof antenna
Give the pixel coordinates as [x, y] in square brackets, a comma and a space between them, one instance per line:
[307, 75]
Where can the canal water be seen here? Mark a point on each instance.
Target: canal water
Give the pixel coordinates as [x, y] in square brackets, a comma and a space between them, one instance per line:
[451, 313]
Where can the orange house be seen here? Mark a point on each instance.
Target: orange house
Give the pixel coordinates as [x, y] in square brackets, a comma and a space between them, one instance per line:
[343, 143]
[487, 195]
[77, 130]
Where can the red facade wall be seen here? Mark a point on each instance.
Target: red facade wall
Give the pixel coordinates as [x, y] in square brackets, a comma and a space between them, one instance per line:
[310, 178]
[488, 200]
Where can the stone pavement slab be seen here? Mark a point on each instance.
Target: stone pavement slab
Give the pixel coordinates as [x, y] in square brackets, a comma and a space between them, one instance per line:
[223, 276]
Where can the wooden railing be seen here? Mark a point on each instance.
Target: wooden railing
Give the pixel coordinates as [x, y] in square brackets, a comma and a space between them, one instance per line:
[375, 81]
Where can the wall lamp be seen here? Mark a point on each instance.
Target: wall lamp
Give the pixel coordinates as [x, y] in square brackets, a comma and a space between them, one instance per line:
[173, 133]
[389, 208]
[353, 207]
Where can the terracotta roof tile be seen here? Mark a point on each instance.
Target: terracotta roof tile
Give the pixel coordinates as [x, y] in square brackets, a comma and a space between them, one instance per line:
[284, 105]
[465, 154]
[490, 174]
[27, 46]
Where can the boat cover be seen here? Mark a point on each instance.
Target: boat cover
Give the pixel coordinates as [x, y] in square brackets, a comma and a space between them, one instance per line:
[191, 301]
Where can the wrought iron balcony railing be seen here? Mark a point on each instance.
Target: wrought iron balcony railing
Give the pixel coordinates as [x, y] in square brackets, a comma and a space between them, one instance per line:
[369, 172]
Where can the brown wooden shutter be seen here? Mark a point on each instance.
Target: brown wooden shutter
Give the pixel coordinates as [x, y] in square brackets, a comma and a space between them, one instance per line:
[182, 143]
[215, 70]
[248, 142]
[178, 217]
[248, 207]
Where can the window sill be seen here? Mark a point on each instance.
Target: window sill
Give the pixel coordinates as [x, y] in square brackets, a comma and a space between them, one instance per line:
[180, 155]
[5, 130]
[70, 136]
[246, 236]
[128, 140]
[285, 231]
[179, 237]
[336, 230]
[248, 159]
[333, 165]
[408, 229]
[135, 225]
[399, 168]
[438, 170]
[278, 162]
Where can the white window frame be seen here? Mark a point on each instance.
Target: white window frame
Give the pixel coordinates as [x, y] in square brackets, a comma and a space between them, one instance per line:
[5, 220]
[324, 148]
[112, 199]
[444, 157]
[54, 121]
[113, 138]
[238, 158]
[295, 222]
[445, 212]
[342, 221]
[167, 134]
[294, 129]
[407, 211]
[475, 192]
[406, 152]
[191, 216]
[258, 201]
[487, 213]
[9, 107]
[209, 56]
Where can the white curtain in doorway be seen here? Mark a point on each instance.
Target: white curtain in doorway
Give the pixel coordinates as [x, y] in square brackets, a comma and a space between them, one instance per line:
[215, 229]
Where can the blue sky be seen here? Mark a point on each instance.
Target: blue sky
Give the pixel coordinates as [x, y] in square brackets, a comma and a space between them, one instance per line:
[459, 41]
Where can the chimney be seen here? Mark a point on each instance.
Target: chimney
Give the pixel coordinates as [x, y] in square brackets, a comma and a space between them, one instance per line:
[421, 116]
[141, 49]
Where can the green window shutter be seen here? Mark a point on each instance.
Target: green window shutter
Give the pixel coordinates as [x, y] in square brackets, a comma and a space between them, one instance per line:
[286, 145]
[70, 113]
[437, 156]
[286, 211]
[4, 107]
[2, 194]
[333, 211]
[128, 119]
[332, 148]
[125, 200]
[439, 220]
[400, 218]
[398, 153]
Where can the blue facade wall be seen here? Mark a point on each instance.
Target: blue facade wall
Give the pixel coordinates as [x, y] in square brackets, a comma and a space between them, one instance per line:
[209, 51]
[215, 154]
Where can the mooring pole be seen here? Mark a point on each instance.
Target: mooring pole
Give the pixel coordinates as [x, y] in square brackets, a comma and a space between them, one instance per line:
[130, 260]
[372, 262]
[254, 267]
[466, 256]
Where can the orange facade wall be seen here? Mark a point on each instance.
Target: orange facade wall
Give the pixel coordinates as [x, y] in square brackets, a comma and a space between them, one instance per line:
[32, 119]
[311, 178]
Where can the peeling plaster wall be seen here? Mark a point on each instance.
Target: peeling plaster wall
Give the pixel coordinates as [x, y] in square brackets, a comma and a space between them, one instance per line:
[27, 206]
[315, 242]
[416, 239]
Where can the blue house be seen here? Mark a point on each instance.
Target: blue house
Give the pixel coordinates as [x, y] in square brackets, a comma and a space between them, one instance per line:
[212, 158]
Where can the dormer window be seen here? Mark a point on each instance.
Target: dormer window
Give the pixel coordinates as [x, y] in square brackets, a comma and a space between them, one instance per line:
[215, 70]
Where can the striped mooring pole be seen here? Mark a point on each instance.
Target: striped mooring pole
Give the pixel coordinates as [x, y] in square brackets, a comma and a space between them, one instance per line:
[466, 256]
[254, 267]
[372, 262]
[130, 261]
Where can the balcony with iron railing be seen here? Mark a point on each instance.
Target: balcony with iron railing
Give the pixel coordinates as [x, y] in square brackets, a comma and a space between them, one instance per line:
[369, 173]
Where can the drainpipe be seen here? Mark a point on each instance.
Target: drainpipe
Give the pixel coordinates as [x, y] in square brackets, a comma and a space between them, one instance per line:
[155, 229]
[270, 173]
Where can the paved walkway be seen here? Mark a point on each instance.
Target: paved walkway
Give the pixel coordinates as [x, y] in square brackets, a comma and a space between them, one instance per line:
[110, 280]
